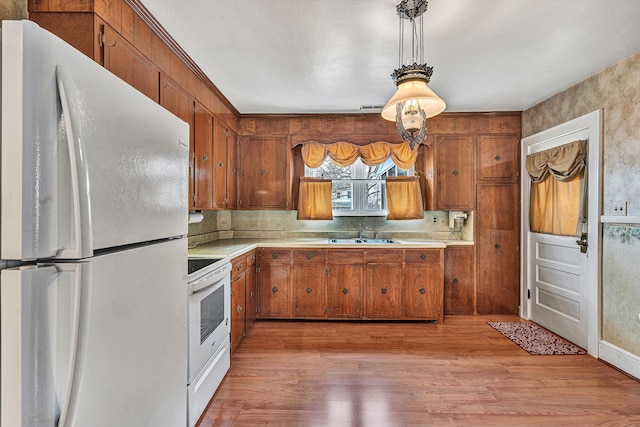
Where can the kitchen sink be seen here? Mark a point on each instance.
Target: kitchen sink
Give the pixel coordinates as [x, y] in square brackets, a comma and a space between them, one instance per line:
[369, 241]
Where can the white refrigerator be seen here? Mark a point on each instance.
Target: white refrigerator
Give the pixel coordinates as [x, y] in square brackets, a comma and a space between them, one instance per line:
[93, 296]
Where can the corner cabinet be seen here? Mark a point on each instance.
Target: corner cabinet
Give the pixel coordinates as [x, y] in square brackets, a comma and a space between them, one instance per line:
[264, 173]
[351, 284]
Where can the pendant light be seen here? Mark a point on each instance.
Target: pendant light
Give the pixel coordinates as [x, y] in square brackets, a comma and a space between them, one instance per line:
[413, 103]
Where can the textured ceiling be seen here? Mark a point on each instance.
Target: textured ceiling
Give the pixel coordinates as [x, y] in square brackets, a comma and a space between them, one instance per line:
[332, 56]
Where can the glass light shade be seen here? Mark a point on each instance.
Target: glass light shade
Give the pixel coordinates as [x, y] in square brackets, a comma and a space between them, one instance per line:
[414, 90]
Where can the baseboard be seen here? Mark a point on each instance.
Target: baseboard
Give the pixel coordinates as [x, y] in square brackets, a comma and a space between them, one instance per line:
[621, 359]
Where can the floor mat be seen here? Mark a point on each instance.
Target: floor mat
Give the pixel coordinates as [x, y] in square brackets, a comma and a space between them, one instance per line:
[535, 339]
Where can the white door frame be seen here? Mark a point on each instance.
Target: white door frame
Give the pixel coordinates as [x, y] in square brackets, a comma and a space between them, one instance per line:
[590, 125]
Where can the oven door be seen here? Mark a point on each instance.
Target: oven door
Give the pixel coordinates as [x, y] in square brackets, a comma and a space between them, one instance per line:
[209, 309]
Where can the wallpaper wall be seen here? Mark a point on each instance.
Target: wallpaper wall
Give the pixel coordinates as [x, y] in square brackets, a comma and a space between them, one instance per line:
[616, 90]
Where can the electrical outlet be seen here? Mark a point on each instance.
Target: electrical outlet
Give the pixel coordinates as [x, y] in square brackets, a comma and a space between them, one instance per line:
[619, 208]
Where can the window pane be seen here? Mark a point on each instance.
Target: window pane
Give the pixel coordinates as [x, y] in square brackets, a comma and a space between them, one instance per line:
[374, 196]
[329, 170]
[342, 196]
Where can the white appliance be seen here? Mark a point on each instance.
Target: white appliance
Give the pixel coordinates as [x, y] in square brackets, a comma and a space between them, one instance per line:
[94, 198]
[209, 290]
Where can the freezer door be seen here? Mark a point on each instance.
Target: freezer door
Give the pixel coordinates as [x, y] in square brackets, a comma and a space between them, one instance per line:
[88, 162]
[100, 342]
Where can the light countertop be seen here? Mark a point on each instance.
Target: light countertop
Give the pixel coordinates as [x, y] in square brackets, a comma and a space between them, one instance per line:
[235, 247]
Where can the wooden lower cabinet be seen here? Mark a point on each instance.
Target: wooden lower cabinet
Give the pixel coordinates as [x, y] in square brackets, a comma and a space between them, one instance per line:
[243, 288]
[458, 280]
[351, 284]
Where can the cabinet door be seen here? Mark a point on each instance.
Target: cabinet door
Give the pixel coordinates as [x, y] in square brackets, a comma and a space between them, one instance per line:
[126, 62]
[238, 311]
[264, 166]
[458, 280]
[309, 290]
[424, 283]
[455, 172]
[273, 290]
[498, 157]
[384, 291]
[203, 147]
[232, 170]
[498, 253]
[345, 283]
[251, 295]
[219, 165]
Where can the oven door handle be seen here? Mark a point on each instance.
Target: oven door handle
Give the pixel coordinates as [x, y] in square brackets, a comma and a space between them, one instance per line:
[210, 280]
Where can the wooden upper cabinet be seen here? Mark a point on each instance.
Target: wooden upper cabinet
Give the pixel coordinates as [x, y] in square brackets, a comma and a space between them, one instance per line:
[179, 102]
[264, 164]
[126, 62]
[232, 169]
[498, 157]
[203, 158]
[220, 135]
[454, 166]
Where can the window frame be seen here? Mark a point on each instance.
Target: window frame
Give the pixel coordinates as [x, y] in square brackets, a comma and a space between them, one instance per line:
[359, 182]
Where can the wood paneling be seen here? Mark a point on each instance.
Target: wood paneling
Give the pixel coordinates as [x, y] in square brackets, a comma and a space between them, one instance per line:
[77, 29]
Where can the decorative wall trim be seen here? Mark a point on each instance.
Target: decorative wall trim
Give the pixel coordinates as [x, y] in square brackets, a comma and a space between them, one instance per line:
[624, 233]
[621, 359]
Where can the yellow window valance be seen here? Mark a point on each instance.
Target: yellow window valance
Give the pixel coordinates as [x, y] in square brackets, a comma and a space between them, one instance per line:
[345, 153]
[557, 193]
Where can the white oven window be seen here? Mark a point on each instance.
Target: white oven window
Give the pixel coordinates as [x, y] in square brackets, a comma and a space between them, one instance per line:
[211, 313]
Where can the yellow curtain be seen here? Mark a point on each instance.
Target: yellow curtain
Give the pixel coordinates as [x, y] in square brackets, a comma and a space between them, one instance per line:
[314, 199]
[404, 198]
[557, 189]
[345, 153]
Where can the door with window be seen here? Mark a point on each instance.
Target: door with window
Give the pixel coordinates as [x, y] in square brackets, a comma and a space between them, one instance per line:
[560, 272]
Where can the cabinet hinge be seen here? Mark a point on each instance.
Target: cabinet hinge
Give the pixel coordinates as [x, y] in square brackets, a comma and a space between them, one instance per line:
[528, 293]
[257, 269]
[101, 39]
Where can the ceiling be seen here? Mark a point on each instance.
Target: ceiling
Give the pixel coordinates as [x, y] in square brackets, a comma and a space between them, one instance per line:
[333, 56]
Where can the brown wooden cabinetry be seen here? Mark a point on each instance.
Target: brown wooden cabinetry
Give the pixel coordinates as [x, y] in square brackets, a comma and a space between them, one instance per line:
[351, 284]
[497, 157]
[274, 283]
[126, 62]
[309, 284]
[264, 164]
[224, 166]
[203, 158]
[454, 176]
[458, 280]
[242, 297]
[345, 283]
[423, 290]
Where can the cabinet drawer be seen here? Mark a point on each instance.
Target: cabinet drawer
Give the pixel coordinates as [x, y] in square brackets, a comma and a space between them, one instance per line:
[345, 257]
[267, 255]
[309, 256]
[427, 256]
[239, 266]
[385, 256]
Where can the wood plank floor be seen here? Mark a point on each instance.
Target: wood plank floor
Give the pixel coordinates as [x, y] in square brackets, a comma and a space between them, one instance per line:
[461, 373]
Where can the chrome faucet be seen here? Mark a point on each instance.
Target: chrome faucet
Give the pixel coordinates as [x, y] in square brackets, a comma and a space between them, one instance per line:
[361, 231]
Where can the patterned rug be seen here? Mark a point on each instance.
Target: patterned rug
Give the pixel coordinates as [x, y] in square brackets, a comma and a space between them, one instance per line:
[535, 339]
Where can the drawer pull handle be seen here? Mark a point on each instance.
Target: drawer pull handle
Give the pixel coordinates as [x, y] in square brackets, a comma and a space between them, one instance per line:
[220, 164]
[423, 257]
[205, 158]
[274, 289]
[251, 294]
[309, 256]
[497, 246]
[239, 267]
[274, 255]
[263, 172]
[253, 259]
[384, 291]
[239, 309]
[455, 280]
[497, 157]
[345, 291]
[422, 291]
[309, 290]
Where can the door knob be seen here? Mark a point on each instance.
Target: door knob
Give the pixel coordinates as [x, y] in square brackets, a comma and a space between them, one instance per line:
[583, 243]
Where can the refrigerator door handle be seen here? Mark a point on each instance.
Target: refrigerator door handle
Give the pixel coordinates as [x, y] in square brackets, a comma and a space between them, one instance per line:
[77, 347]
[82, 229]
